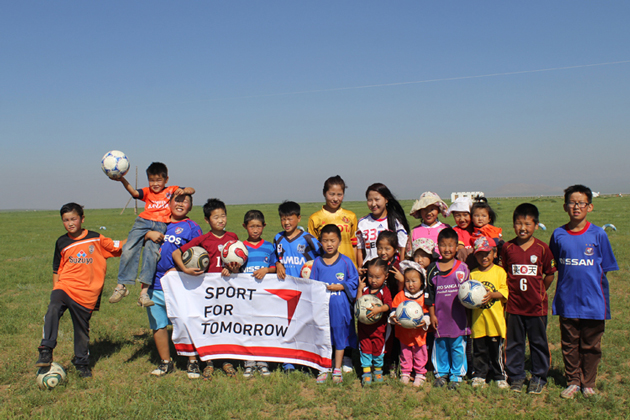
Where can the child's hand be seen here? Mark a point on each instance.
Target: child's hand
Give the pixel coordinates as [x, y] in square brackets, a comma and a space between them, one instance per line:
[486, 298]
[260, 273]
[334, 287]
[193, 271]
[280, 271]
[154, 236]
[463, 253]
[395, 320]
[362, 271]
[375, 310]
[234, 267]
[225, 272]
[397, 275]
[362, 283]
[434, 322]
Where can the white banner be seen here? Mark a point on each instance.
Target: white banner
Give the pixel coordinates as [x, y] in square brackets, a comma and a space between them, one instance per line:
[239, 317]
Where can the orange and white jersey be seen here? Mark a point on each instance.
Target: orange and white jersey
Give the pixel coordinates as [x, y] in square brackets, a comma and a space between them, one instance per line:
[156, 206]
[347, 223]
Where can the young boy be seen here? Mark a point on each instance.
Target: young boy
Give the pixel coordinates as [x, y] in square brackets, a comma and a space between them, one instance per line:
[488, 322]
[530, 269]
[179, 231]
[155, 216]
[215, 214]
[79, 266]
[448, 315]
[260, 261]
[582, 300]
[342, 277]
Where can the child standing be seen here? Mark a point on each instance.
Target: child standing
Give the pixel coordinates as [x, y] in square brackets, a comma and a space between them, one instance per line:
[427, 208]
[339, 272]
[460, 209]
[448, 315]
[488, 322]
[387, 250]
[372, 337]
[582, 300]
[79, 266]
[413, 355]
[155, 216]
[530, 269]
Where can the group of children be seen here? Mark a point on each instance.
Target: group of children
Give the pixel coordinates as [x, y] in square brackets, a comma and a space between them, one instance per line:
[379, 255]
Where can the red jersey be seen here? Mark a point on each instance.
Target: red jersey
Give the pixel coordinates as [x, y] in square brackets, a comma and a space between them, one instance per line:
[213, 245]
[156, 206]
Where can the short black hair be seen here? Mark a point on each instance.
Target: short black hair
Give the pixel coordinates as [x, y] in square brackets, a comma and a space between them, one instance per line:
[378, 262]
[289, 208]
[447, 233]
[482, 203]
[578, 188]
[211, 205]
[157, 168]
[334, 180]
[389, 236]
[181, 197]
[254, 215]
[525, 210]
[71, 207]
[331, 229]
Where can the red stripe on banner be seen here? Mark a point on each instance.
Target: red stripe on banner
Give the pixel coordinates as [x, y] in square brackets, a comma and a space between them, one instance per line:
[263, 351]
[184, 347]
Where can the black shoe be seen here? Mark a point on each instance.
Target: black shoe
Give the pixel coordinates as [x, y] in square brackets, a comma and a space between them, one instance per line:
[536, 386]
[45, 356]
[517, 385]
[84, 371]
[453, 386]
[439, 382]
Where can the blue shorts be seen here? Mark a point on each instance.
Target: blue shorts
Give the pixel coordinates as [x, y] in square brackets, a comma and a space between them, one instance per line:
[157, 312]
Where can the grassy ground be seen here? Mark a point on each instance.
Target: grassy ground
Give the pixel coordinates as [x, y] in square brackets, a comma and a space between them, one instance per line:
[122, 350]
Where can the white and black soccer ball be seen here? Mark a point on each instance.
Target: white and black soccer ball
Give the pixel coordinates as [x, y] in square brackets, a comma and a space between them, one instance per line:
[196, 257]
[234, 252]
[115, 164]
[409, 314]
[50, 376]
[363, 306]
[471, 293]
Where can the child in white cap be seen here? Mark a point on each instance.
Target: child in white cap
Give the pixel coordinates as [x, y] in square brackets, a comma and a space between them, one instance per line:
[460, 209]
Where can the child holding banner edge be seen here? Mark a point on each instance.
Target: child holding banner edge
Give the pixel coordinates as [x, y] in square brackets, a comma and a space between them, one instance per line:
[342, 277]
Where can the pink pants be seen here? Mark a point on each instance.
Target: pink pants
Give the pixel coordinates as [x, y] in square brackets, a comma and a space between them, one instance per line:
[413, 358]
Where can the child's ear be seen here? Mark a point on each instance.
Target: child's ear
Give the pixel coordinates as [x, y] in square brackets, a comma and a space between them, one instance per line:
[207, 220]
[245, 225]
[299, 218]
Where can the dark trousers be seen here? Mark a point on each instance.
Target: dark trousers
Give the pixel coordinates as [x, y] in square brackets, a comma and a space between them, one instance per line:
[488, 358]
[581, 349]
[520, 327]
[59, 302]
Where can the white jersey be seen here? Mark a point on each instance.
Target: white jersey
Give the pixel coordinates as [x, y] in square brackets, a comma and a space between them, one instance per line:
[368, 230]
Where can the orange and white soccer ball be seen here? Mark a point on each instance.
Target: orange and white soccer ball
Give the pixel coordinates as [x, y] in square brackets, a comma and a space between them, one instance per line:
[234, 252]
[305, 271]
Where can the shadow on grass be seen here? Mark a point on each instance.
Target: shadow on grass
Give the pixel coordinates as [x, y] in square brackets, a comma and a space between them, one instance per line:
[104, 348]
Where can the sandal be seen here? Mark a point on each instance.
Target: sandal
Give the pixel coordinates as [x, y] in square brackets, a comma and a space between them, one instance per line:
[323, 376]
[208, 371]
[337, 378]
[229, 370]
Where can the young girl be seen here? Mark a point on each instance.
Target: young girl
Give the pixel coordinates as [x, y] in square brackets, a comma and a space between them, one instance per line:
[423, 252]
[387, 214]
[460, 209]
[413, 355]
[387, 250]
[483, 218]
[372, 337]
[331, 212]
[427, 208]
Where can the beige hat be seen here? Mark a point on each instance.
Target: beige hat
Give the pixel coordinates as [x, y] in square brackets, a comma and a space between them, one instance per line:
[426, 199]
[425, 244]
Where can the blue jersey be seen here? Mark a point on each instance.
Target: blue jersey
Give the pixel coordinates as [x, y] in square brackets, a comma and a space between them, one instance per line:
[176, 235]
[261, 255]
[583, 260]
[294, 253]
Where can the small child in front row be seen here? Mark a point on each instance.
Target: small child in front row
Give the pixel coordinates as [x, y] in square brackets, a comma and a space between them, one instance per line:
[448, 315]
[372, 338]
[413, 354]
[342, 277]
[483, 218]
[488, 322]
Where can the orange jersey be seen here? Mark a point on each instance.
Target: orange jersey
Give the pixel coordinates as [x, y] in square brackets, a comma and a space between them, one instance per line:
[156, 206]
[347, 223]
[410, 337]
[81, 264]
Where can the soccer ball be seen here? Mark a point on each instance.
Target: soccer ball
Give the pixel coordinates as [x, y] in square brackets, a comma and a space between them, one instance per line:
[409, 314]
[471, 294]
[305, 271]
[362, 309]
[196, 257]
[50, 376]
[115, 164]
[234, 251]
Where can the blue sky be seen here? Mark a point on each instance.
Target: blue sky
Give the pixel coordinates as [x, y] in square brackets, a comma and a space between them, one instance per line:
[262, 101]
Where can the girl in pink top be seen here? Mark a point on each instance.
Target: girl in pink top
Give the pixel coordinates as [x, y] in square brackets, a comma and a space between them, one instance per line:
[427, 208]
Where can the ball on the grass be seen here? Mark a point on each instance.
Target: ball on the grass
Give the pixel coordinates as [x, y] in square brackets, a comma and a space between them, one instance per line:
[196, 257]
[305, 271]
[409, 314]
[471, 293]
[50, 376]
[115, 164]
[234, 252]
[363, 307]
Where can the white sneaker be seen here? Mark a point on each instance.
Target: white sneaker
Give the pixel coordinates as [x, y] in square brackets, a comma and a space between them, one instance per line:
[478, 382]
[346, 365]
[503, 384]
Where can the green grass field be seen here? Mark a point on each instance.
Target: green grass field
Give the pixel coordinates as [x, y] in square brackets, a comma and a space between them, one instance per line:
[123, 353]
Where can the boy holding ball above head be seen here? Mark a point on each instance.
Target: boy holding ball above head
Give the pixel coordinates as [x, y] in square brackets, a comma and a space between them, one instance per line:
[155, 216]
[582, 300]
[79, 266]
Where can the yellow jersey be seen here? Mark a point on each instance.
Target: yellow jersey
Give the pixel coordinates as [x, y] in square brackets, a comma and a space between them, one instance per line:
[347, 223]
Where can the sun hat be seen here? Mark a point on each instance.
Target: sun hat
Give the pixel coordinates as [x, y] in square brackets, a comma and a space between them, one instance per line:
[425, 244]
[463, 204]
[427, 199]
[407, 264]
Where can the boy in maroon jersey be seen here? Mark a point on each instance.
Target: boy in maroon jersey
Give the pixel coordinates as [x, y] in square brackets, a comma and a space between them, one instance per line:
[530, 269]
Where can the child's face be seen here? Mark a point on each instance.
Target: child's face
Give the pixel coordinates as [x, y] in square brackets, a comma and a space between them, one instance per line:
[217, 220]
[254, 229]
[330, 243]
[413, 281]
[429, 214]
[422, 258]
[334, 197]
[485, 258]
[448, 248]
[462, 219]
[376, 277]
[480, 218]
[72, 223]
[290, 223]
[376, 203]
[157, 183]
[385, 250]
[578, 207]
[524, 227]
[180, 207]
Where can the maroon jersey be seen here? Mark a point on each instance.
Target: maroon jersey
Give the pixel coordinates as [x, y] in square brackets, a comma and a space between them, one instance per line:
[372, 337]
[526, 270]
[213, 245]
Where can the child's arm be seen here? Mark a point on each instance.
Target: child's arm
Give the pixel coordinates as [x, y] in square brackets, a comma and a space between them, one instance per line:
[336, 287]
[400, 279]
[280, 271]
[177, 259]
[131, 190]
[377, 310]
[548, 280]
[433, 318]
[361, 287]
[493, 295]
[55, 279]
[261, 272]
[187, 190]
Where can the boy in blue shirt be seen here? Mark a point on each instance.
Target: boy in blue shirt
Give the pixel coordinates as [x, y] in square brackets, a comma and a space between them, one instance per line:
[584, 256]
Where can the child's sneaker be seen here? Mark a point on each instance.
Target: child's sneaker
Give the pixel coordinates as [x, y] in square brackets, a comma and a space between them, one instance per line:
[264, 370]
[378, 375]
[588, 392]
[453, 385]
[165, 367]
[404, 378]
[248, 372]
[478, 382]
[366, 379]
[535, 386]
[346, 365]
[502, 384]
[322, 377]
[517, 385]
[229, 370]
[439, 382]
[569, 392]
[45, 356]
[288, 368]
[419, 380]
[144, 300]
[118, 295]
[192, 370]
[84, 371]
[208, 371]
[336, 376]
